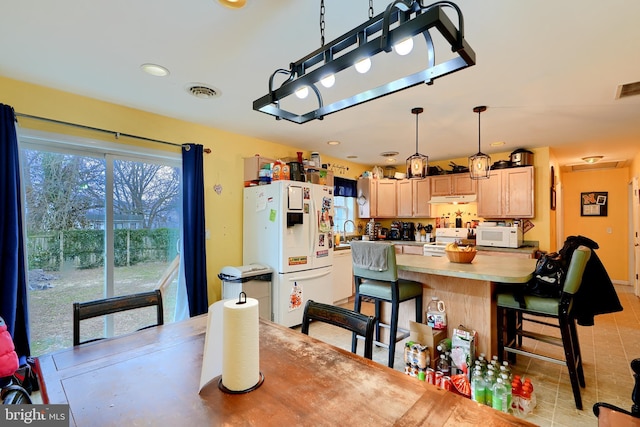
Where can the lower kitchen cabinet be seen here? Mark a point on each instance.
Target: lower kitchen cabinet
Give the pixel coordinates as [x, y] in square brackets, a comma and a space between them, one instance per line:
[342, 275]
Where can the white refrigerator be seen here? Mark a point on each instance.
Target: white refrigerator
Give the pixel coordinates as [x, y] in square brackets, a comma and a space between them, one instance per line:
[288, 226]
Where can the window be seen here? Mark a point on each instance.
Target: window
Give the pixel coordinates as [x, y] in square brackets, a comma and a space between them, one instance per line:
[344, 210]
[101, 220]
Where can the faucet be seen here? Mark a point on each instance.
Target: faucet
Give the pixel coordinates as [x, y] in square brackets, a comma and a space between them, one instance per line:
[344, 229]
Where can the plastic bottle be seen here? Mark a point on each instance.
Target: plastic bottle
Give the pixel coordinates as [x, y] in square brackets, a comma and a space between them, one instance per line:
[489, 380]
[499, 400]
[436, 314]
[444, 346]
[528, 383]
[478, 386]
[507, 384]
[516, 391]
[524, 404]
[443, 365]
[507, 368]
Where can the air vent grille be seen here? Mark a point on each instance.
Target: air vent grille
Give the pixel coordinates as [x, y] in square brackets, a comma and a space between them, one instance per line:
[202, 91]
[629, 89]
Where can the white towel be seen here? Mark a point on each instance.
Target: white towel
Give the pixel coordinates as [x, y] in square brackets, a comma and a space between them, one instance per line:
[369, 255]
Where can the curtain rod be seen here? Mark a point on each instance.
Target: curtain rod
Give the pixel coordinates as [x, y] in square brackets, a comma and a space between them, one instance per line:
[116, 134]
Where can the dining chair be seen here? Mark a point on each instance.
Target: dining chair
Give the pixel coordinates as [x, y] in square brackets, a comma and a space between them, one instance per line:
[358, 323]
[513, 312]
[635, 395]
[101, 307]
[375, 274]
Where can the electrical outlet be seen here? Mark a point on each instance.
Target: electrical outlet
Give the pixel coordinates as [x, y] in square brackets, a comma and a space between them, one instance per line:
[609, 230]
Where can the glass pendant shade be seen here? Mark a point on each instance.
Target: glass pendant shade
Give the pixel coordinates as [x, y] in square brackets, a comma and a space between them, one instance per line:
[418, 163]
[479, 163]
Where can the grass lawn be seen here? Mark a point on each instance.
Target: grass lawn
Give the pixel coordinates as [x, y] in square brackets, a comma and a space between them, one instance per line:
[51, 303]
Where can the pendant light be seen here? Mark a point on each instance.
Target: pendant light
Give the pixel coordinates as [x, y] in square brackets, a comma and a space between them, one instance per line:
[480, 163]
[417, 164]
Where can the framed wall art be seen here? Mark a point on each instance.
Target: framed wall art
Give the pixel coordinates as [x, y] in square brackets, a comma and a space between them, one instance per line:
[594, 203]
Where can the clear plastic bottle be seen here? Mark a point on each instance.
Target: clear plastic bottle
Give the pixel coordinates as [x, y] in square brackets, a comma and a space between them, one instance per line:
[436, 314]
[478, 386]
[499, 400]
[489, 380]
[507, 369]
[507, 384]
[443, 365]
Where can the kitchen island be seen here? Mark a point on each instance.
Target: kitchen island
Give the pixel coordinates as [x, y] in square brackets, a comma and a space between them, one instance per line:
[468, 290]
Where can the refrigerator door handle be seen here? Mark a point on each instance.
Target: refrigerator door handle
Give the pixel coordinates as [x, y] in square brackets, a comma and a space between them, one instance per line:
[313, 276]
[313, 227]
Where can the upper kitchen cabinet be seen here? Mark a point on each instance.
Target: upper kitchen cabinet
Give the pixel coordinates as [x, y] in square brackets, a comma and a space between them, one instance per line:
[421, 197]
[452, 184]
[404, 198]
[387, 194]
[508, 193]
[367, 198]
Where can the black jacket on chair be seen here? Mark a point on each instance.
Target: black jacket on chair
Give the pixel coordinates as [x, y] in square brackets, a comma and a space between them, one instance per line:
[596, 294]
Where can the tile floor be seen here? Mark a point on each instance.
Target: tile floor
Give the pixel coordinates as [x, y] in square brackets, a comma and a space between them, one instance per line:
[607, 349]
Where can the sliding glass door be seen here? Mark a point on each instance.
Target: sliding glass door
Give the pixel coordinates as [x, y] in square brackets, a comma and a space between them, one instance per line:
[98, 223]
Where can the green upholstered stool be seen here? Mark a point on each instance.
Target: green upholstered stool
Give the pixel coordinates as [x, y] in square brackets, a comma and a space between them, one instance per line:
[382, 285]
[511, 318]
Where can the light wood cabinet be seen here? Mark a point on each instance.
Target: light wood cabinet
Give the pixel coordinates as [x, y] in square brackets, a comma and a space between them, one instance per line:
[367, 199]
[452, 184]
[409, 249]
[508, 193]
[421, 197]
[387, 205]
[342, 275]
[404, 198]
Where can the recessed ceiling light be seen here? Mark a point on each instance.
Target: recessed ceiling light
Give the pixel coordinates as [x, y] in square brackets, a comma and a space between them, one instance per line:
[233, 4]
[497, 143]
[390, 160]
[333, 142]
[592, 159]
[155, 70]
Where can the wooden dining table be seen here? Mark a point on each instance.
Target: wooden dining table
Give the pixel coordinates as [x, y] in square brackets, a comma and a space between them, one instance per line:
[152, 378]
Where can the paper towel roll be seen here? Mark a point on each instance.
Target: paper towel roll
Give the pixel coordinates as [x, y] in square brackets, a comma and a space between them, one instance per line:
[240, 344]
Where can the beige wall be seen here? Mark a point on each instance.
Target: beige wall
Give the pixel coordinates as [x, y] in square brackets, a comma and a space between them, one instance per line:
[223, 166]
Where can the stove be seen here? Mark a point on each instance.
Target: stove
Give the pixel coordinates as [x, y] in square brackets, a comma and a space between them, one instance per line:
[444, 236]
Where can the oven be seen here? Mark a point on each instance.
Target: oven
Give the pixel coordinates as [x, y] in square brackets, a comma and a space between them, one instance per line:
[444, 236]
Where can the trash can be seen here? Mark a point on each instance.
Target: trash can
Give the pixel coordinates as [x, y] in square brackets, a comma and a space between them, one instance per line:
[254, 280]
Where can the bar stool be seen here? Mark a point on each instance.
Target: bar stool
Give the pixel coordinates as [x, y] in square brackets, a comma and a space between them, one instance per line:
[375, 275]
[512, 314]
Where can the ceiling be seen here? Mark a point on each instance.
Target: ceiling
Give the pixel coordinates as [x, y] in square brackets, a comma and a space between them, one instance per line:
[547, 70]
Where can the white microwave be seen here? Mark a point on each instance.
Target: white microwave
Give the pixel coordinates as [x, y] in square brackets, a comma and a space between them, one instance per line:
[499, 237]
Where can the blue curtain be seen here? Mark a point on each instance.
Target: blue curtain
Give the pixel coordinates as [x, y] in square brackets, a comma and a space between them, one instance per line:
[345, 187]
[13, 278]
[194, 256]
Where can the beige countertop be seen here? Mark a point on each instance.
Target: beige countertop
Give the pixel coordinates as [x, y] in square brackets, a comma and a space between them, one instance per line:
[490, 268]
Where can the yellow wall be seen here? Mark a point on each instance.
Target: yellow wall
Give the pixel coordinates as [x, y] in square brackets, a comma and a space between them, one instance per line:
[610, 232]
[223, 166]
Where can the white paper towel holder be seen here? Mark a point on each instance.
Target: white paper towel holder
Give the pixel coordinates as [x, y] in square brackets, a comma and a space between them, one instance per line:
[242, 299]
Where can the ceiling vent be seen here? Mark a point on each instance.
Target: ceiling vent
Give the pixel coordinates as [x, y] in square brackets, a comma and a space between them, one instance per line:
[202, 91]
[595, 166]
[629, 89]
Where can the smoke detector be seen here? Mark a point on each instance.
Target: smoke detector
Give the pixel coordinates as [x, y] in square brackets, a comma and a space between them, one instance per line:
[202, 91]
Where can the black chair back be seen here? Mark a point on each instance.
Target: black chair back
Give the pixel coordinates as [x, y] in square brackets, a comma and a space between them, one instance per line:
[353, 321]
[101, 307]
